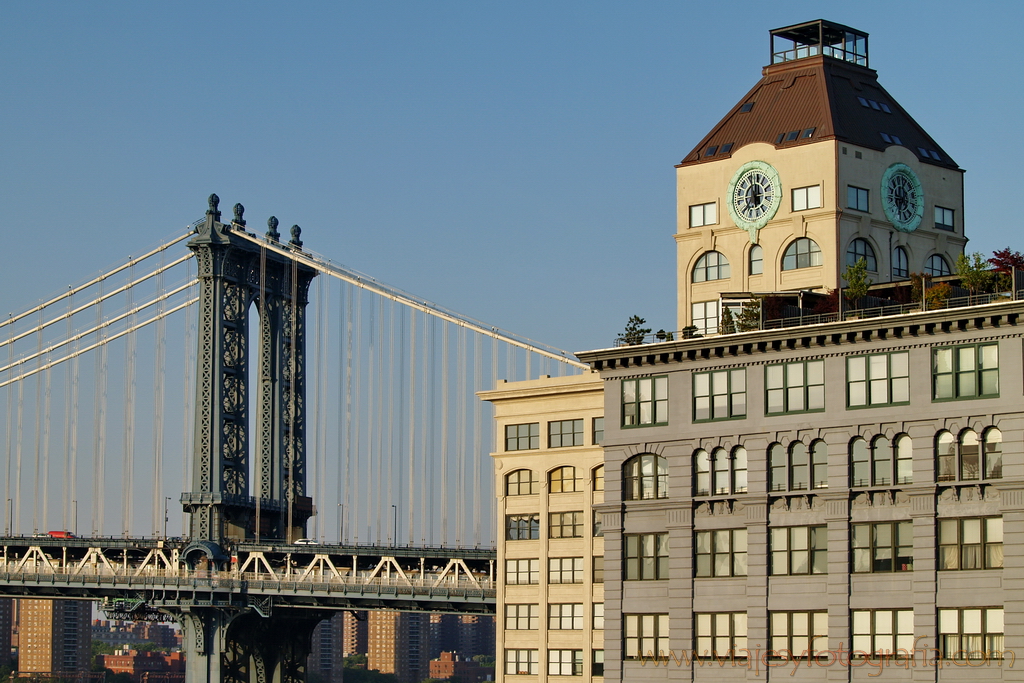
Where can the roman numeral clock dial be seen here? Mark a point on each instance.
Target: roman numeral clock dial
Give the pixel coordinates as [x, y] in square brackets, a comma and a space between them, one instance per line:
[754, 194]
[902, 197]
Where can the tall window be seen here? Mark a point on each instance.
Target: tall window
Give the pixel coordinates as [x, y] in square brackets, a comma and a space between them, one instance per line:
[721, 634]
[565, 662]
[703, 214]
[878, 379]
[520, 483]
[883, 547]
[807, 198]
[799, 550]
[802, 252]
[721, 472]
[565, 570]
[522, 527]
[972, 543]
[597, 474]
[883, 631]
[719, 394]
[563, 480]
[756, 260]
[645, 477]
[883, 463]
[971, 634]
[711, 266]
[565, 617]
[522, 617]
[795, 387]
[857, 198]
[704, 316]
[645, 635]
[598, 568]
[598, 526]
[522, 437]
[722, 552]
[943, 218]
[968, 457]
[598, 621]
[645, 401]
[798, 468]
[646, 557]
[521, 572]
[598, 431]
[965, 371]
[799, 633]
[565, 433]
[900, 263]
[521, 662]
[936, 266]
[565, 524]
[860, 249]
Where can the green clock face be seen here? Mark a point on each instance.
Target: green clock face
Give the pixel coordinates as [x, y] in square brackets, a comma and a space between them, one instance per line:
[754, 196]
[902, 197]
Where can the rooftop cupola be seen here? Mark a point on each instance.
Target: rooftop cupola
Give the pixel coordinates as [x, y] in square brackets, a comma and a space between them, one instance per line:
[819, 37]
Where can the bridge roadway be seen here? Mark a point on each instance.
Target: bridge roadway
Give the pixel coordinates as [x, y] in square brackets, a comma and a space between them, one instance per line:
[148, 578]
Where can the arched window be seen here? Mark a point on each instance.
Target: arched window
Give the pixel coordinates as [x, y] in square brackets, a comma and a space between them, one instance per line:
[702, 473]
[883, 463]
[968, 457]
[756, 260]
[936, 265]
[720, 473]
[520, 483]
[711, 266]
[645, 477]
[900, 263]
[802, 252]
[860, 249]
[563, 480]
[597, 476]
[797, 468]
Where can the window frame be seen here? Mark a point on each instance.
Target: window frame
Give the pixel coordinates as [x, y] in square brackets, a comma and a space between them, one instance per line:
[805, 195]
[809, 390]
[522, 527]
[990, 642]
[984, 550]
[637, 484]
[531, 484]
[532, 437]
[756, 255]
[874, 549]
[597, 431]
[515, 658]
[713, 390]
[708, 632]
[575, 433]
[597, 478]
[897, 459]
[705, 327]
[574, 570]
[645, 557]
[713, 566]
[597, 569]
[558, 483]
[783, 464]
[930, 269]
[568, 524]
[814, 542]
[557, 617]
[816, 626]
[854, 197]
[645, 627]
[709, 472]
[561, 661]
[597, 616]
[794, 255]
[720, 268]
[633, 408]
[901, 634]
[980, 372]
[516, 617]
[704, 219]
[942, 211]
[518, 567]
[860, 248]
[900, 263]
[957, 464]
[870, 381]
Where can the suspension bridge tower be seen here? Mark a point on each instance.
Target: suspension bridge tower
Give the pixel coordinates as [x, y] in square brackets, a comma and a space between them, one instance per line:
[234, 499]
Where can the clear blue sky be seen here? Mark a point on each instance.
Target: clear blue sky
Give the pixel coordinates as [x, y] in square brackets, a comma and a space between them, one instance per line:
[512, 161]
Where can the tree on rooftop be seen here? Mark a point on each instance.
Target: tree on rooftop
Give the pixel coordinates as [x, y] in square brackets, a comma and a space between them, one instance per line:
[634, 333]
[857, 282]
[1005, 262]
[749, 317]
[973, 272]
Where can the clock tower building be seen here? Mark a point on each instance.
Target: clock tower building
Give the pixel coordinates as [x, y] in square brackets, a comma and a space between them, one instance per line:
[816, 167]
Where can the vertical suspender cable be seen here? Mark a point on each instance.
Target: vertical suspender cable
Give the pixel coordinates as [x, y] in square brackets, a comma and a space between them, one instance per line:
[293, 437]
[357, 421]
[411, 469]
[128, 456]
[19, 439]
[187, 414]
[99, 418]
[261, 485]
[69, 370]
[39, 425]
[346, 405]
[460, 433]
[445, 372]
[477, 453]
[9, 519]
[72, 443]
[158, 408]
[373, 456]
[426, 512]
[391, 416]
[45, 512]
[315, 473]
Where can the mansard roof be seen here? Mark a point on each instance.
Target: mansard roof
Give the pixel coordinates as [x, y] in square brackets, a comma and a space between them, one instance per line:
[807, 100]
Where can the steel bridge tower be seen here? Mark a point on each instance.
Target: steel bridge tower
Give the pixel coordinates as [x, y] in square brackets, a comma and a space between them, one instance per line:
[247, 640]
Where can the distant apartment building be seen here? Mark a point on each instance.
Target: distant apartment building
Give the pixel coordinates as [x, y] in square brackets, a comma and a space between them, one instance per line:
[145, 666]
[399, 643]
[54, 635]
[465, 635]
[354, 633]
[449, 665]
[6, 628]
[128, 633]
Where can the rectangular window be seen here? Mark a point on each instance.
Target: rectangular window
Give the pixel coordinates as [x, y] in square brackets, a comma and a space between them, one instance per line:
[722, 552]
[598, 624]
[704, 316]
[598, 524]
[971, 634]
[522, 617]
[565, 433]
[883, 631]
[719, 395]
[565, 524]
[721, 634]
[857, 198]
[645, 401]
[645, 635]
[565, 662]
[522, 527]
[565, 570]
[646, 557]
[973, 543]
[967, 371]
[883, 547]
[521, 662]
[522, 572]
[879, 379]
[703, 214]
[943, 218]
[802, 634]
[598, 568]
[522, 437]
[565, 617]
[597, 667]
[807, 198]
[795, 387]
[799, 550]
[598, 430]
